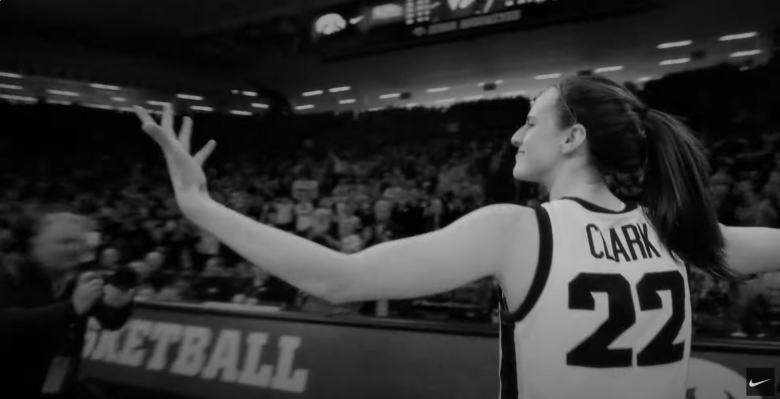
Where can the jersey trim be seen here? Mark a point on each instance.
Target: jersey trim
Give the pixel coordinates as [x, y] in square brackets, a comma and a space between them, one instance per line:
[542, 269]
[630, 206]
[508, 370]
[508, 320]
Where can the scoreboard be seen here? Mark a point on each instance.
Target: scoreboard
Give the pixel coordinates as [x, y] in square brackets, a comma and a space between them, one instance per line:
[426, 11]
[369, 26]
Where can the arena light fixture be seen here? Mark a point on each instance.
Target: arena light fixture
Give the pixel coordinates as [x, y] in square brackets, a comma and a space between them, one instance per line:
[411, 105]
[347, 101]
[339, 89]
[63, 93]
[304, 107]
[10, 87]
[59, 102]
[644, 79]
[388, 96]
[99, 106]
[609, 69]
[679, 43]
[675, 61]
[10, 75]
[260, 105]
[312, 93]
[437, 89]
[193, 97]
[159, 103]
[738, 36]
[15, 98]
[249, 93]
[548, 76]
[201, 108]
[104, 86]
[445, 101]
[239, 112]
[745, 53]
[119, 99]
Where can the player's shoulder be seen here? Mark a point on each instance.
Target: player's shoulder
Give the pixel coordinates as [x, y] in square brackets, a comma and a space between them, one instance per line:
[508, 221]
[505, 213]
[520, 238]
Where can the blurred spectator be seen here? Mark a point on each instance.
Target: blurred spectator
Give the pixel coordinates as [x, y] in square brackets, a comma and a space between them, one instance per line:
[109, 258]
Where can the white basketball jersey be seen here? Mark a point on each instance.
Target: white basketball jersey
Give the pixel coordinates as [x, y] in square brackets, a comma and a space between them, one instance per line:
[607, 316]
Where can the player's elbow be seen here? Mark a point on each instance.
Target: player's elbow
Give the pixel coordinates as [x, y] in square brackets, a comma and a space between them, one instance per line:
[338, 297]
[345, 288]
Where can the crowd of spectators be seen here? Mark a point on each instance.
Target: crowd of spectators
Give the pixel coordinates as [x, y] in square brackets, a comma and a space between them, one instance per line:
[347, 182]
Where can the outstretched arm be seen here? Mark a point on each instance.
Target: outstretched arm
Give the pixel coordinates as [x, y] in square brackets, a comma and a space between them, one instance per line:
[751, 250]
[472, 247]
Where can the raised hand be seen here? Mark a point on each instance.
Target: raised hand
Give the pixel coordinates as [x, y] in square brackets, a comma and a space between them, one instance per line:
[185, 170]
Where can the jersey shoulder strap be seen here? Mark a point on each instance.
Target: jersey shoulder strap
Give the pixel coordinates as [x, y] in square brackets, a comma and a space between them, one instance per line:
[541, 274]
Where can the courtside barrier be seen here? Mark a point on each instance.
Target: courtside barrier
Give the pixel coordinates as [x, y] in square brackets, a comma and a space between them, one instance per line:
[196, 351]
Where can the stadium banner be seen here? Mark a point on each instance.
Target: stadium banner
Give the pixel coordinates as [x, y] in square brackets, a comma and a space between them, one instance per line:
[235, 352]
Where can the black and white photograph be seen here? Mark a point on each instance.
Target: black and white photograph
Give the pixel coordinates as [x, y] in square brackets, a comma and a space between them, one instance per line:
[389, 199]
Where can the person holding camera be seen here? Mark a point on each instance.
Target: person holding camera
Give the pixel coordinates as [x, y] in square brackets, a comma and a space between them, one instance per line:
[45, 301]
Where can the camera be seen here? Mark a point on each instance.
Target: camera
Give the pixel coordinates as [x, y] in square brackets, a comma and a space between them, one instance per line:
[123, 278]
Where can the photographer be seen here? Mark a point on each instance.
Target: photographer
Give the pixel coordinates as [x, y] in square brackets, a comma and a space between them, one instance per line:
[45, 301]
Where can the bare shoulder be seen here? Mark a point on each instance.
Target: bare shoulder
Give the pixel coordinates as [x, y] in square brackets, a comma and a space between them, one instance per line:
[513, 232]
[505, 210]
[517, 234]
[503, 218]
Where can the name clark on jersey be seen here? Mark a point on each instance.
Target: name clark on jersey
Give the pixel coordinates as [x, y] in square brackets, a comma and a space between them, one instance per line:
[623, 244]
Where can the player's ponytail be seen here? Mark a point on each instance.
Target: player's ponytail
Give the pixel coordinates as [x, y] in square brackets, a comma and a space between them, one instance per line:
[626, 137]
[677, 194]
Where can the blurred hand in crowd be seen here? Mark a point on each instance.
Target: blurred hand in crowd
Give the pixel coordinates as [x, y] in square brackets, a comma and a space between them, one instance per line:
[115, 297]
[89, 288]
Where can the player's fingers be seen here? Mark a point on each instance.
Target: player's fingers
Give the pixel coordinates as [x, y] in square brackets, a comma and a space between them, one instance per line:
[142, 114]
[149, 126]
[167, 118]
[185, 134]
[204, 152]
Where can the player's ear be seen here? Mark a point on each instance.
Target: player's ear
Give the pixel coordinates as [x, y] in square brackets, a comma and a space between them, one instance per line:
[573, 137]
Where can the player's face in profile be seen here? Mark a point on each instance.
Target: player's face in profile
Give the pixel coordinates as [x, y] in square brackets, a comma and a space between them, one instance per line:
[537, 141]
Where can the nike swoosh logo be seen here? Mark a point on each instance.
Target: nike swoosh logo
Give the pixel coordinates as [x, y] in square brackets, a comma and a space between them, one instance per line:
[755, 384]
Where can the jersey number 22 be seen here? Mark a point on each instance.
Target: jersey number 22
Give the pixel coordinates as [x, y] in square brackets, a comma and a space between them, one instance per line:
[594, 351]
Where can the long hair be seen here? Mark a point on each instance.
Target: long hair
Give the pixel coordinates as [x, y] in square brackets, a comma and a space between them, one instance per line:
[626, 136]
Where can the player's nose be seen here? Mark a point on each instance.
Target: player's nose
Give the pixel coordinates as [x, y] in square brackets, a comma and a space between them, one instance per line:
[517, 138]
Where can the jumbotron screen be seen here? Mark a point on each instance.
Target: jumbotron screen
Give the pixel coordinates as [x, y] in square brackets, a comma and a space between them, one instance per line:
[380, 25]
[431, 11]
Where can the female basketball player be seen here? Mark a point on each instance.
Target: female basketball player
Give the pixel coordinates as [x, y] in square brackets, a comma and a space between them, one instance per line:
[595, 298]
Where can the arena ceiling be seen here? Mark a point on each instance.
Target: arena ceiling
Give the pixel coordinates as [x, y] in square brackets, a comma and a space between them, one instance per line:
[219, 45]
